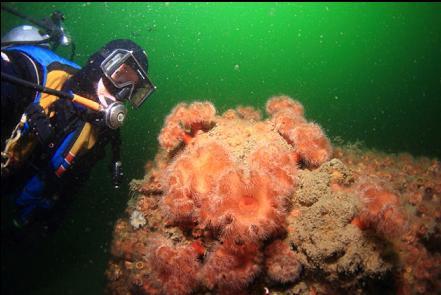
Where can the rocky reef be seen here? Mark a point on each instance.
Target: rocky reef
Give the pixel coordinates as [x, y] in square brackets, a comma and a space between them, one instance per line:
[240, 204]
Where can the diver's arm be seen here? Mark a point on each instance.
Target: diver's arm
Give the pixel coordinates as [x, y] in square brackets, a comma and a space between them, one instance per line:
[14, 98]
[20, 65]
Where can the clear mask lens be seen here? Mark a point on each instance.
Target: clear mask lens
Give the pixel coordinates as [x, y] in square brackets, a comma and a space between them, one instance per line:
[124, 71]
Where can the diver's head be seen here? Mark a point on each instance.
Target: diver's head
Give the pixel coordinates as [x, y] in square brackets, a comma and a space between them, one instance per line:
[114, 74]
[124, 67]
[25, 34]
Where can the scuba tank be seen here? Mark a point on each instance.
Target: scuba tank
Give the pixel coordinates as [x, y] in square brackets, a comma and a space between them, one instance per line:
[48, 32]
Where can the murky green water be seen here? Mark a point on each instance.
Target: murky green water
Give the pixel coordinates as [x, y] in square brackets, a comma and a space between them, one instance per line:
[369, 72]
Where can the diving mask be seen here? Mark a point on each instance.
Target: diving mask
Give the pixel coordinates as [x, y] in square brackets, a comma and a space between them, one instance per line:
[124, 71]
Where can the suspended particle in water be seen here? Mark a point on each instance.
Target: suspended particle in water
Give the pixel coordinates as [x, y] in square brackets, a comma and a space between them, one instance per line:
[237, 67]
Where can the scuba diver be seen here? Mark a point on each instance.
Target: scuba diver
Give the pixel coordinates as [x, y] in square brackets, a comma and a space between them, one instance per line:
[57, 118]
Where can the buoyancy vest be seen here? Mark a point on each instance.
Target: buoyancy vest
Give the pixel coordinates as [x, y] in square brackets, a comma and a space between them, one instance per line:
[55, 71]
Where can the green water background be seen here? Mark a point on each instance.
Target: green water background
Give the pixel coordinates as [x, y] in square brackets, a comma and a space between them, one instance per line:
[364, 71]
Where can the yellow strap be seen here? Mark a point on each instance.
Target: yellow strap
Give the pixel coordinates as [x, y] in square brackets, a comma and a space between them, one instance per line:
[85, 141]
[54, 80]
